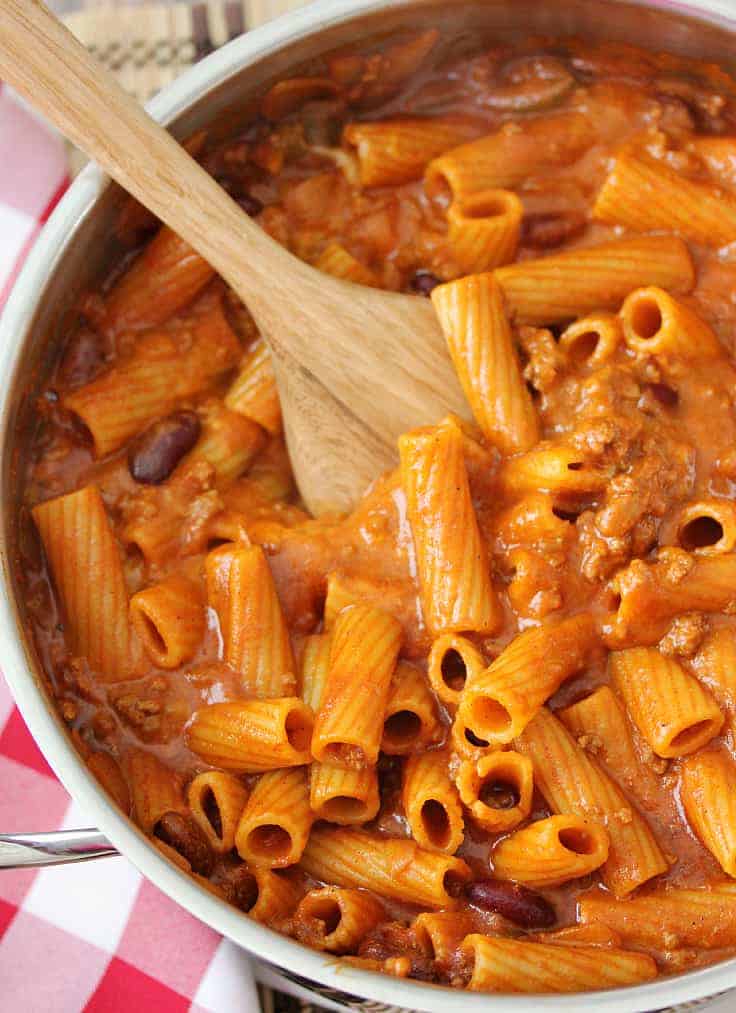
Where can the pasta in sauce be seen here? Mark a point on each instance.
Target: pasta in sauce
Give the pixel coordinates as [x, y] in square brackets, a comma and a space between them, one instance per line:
[481, 731]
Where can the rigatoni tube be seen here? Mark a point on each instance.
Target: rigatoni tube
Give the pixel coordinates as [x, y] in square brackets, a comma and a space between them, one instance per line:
[165, 367]
[264, 895]
[253, 392]
[274, 826]
[439, 933]
[571, 782]
[411, 721]
[315, 665]
[349, 725]
[668, 919]
[708, 794]
[484, 230]
[216, 800]
[498, 703]
[340, 263]
[342, 796]
[601, 718]
[170, 620]
[163, 279]
[647, 195]
[452, 564]
[397, 151]
[575, 282]
[656, 324]
[86, 564]
[453, 659]
[512, 965]
[389, 866]
[473, 318]
[674, 713]
[591, 341]
[336, 919]
[252, 736]
[431, 802]
[509, 156]
[155, 789]
[255, 637]
[552, 851]
[497, 789]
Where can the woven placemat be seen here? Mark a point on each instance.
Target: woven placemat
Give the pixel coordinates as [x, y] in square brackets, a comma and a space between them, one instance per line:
[147, 45]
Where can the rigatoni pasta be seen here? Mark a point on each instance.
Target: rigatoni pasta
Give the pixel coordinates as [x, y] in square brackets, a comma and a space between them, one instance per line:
[431, 803]
[647, 195]
[216, 800]
[336, 919]
[166, 276]
[256, 643]
[340, 263]
[656, 324]
[349, 725]
[85, 561]
[389, 866]
[411, 720]
[707, 782]
[497, 789]
[274, 825]
[253, 392]
[572, 783]
[397, 151]
[651, 594]
[252, 736]
[473, 318]
[170, 620]
[571, 284]
[498, 703]
[341, 796]
[484, 229]
[452, 661]
[505, 158]
[457, 594]
[600, 720]
[511, 965]
[671, 709]
[551, 851]
[668, 918]
[165, 367]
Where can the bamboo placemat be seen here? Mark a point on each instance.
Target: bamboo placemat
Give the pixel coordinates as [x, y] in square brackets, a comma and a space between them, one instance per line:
[147, 45]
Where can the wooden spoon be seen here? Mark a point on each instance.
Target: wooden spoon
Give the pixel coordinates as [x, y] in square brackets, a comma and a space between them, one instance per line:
[355, 366]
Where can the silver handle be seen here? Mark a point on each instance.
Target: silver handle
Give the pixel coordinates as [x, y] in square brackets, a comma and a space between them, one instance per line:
[20, 851]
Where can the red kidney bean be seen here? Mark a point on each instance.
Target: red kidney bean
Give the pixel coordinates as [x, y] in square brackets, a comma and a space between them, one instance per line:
[423, 282]
[241, 887]
[156, 452]
[83, 359]
[520, 905]
[185, 836]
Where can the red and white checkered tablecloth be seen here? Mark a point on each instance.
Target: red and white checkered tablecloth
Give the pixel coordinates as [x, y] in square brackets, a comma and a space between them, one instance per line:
[95, 937]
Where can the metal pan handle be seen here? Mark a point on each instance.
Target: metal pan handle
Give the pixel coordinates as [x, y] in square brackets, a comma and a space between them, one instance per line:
[22, 851]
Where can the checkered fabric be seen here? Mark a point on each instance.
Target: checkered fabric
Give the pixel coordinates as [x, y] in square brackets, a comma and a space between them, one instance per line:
[33, 176]
[96, 937]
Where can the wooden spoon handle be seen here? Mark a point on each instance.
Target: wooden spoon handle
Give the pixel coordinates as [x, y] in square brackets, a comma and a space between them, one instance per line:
[43, 61]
